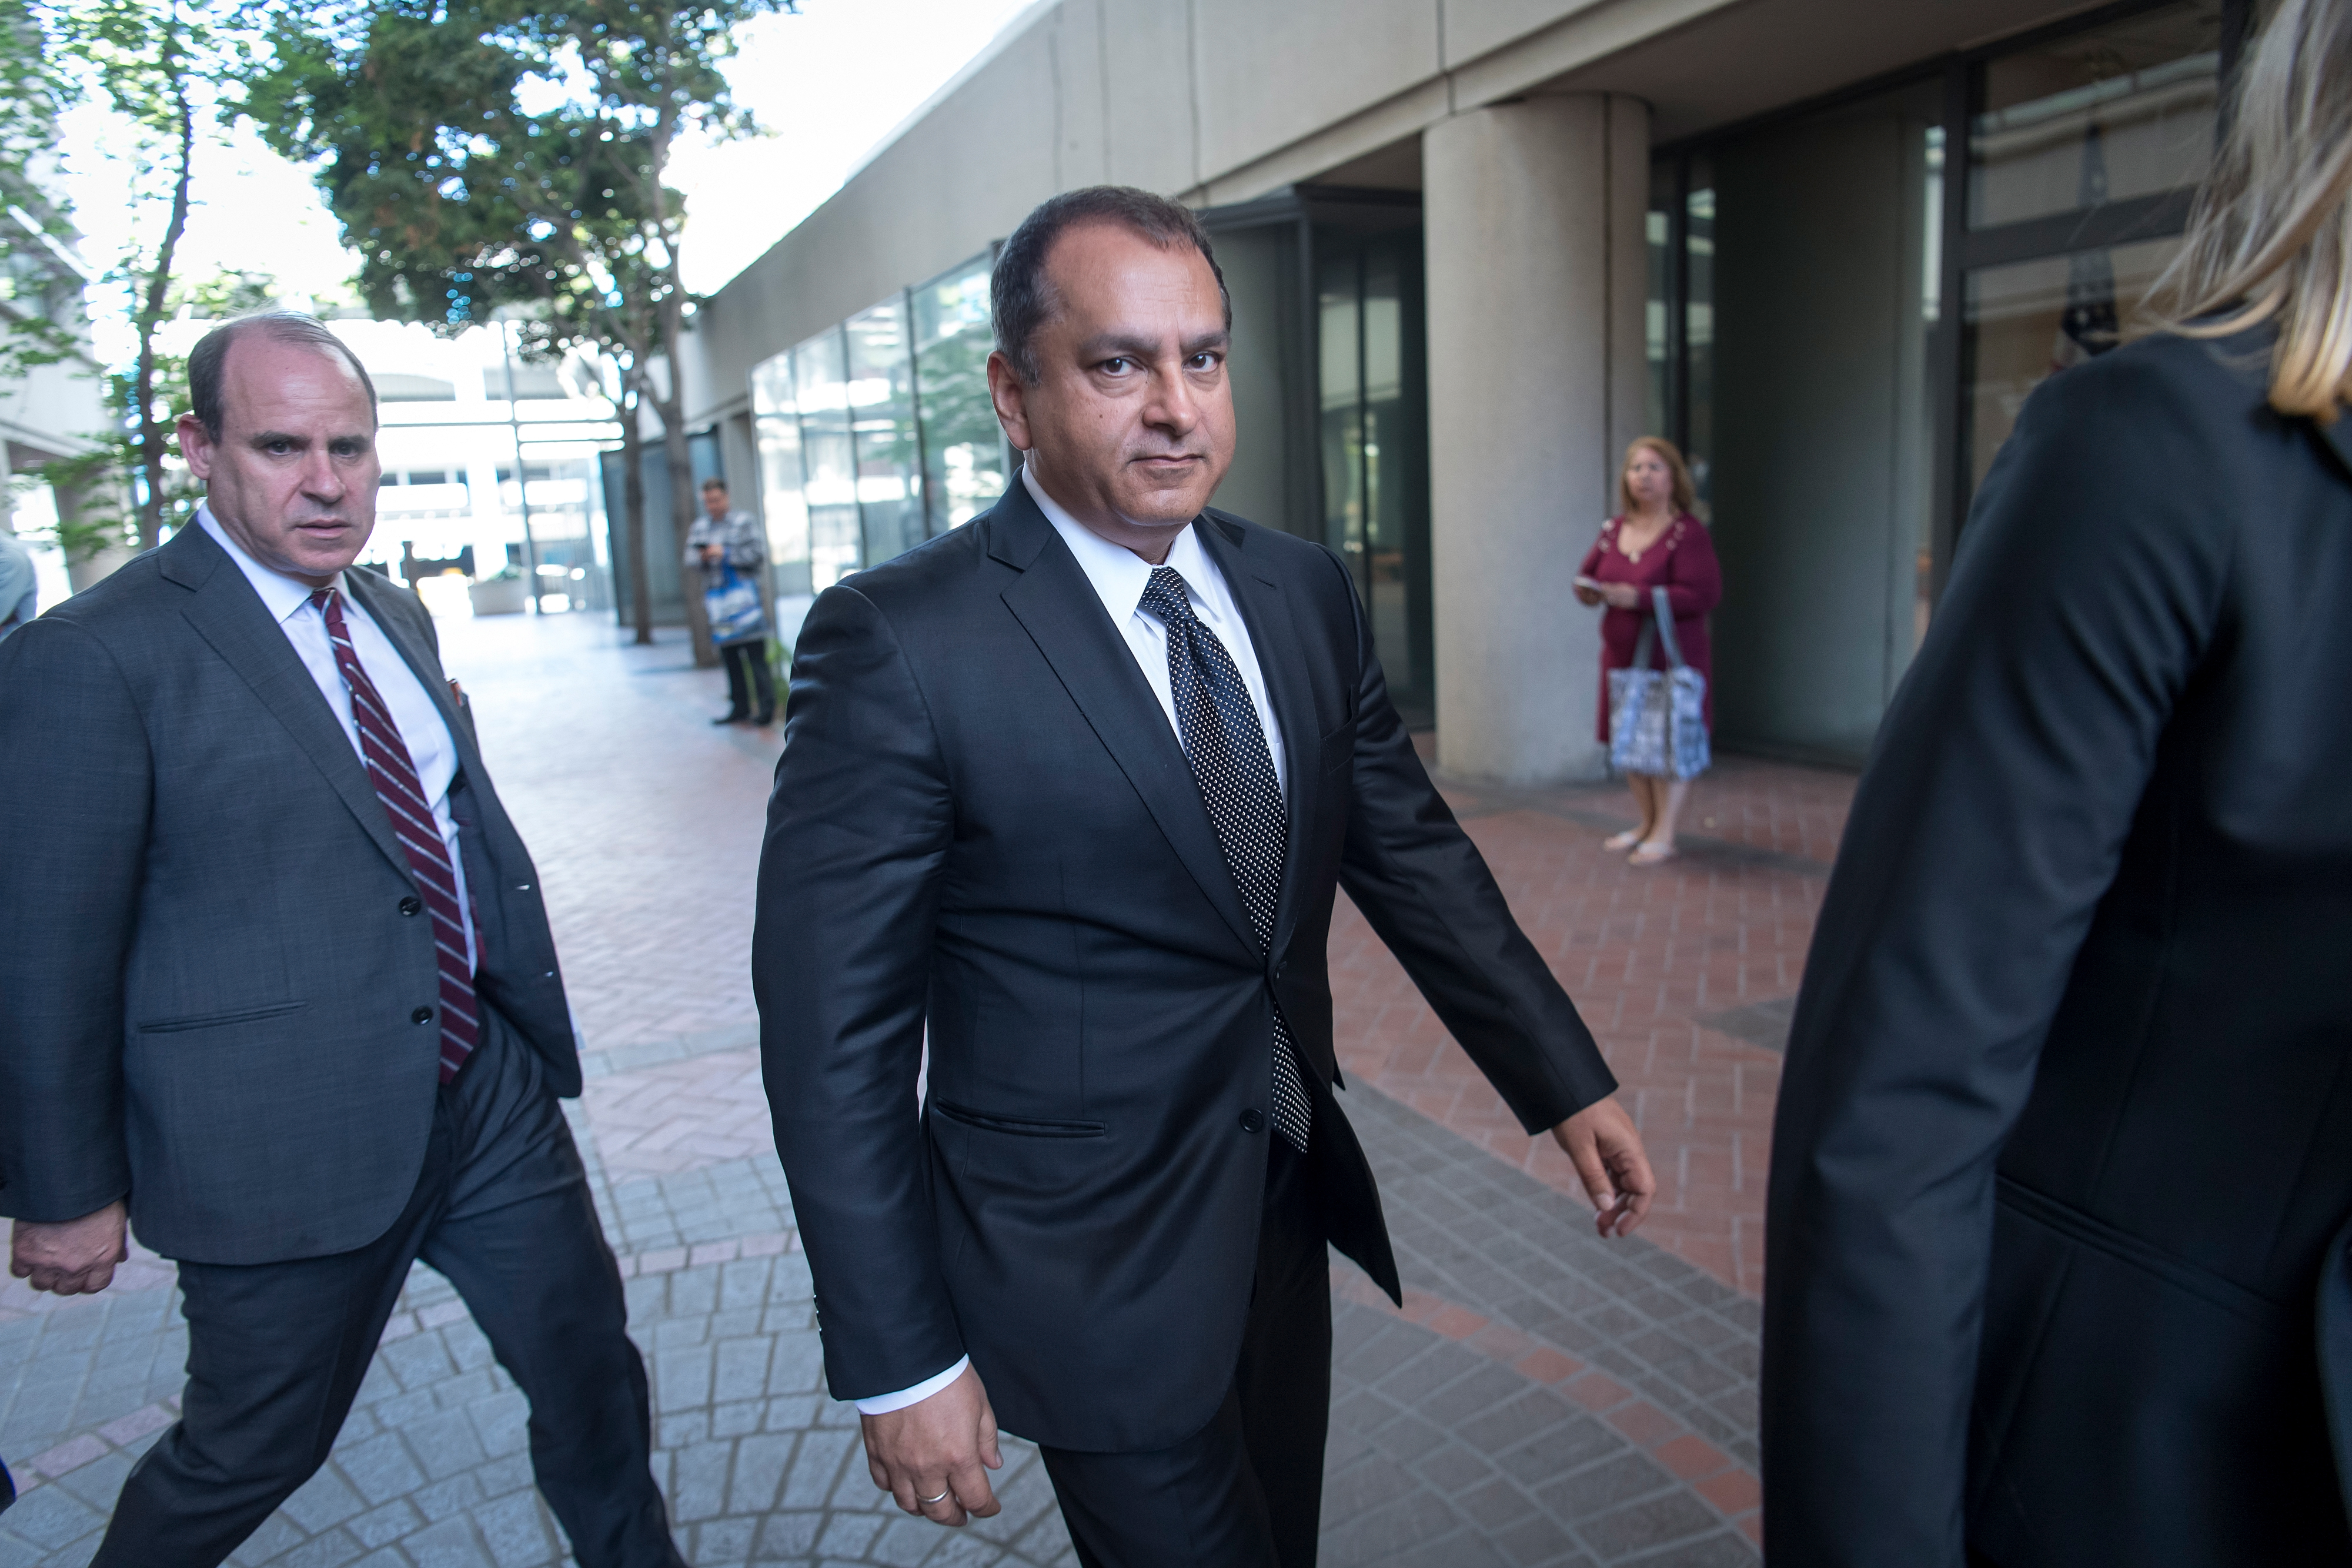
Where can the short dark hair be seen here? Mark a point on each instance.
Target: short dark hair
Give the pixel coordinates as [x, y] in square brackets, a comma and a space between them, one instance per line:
[208, 361]
[715, 483]
[1021, 297]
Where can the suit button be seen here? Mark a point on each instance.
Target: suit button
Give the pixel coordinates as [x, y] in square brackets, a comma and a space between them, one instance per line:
[422, 1015]
[1282, 969]
[1253, 1120]
[410, 905]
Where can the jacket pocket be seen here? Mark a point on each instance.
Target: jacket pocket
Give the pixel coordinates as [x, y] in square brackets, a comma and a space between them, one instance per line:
[1019, 1126]
[213, 1020]
[2081, 1228]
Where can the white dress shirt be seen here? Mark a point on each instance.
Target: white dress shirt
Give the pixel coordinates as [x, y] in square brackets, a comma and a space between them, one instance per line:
[430, 749]
[1120, 576]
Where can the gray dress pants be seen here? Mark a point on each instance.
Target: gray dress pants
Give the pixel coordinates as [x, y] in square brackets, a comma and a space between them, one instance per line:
[277, 1351]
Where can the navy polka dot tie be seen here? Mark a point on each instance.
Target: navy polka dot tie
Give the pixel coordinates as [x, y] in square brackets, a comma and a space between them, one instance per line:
[1235, 772]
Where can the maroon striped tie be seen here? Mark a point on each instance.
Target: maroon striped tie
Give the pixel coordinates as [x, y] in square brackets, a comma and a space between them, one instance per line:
[394, 776]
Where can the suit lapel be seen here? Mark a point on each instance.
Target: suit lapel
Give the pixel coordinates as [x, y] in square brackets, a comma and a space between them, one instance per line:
[1060, 611]
[1266, 612]
[228, 615]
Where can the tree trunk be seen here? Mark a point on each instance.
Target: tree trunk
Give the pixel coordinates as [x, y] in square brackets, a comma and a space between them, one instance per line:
[633, 505]
[152, 431]
[682, 502]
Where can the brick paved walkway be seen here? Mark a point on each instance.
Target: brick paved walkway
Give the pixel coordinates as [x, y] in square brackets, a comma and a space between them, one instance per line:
[1543, 1398]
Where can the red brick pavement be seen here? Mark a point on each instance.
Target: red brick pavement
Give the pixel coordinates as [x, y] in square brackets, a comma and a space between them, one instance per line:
[1645, 954]
[646, 822]
[645, 818]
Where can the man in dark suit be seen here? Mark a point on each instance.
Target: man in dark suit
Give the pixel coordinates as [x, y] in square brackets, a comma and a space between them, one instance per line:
[277, 985]
[1072, 787]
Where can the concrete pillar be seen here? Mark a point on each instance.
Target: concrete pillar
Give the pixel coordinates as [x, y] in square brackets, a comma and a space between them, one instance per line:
[1535, 214]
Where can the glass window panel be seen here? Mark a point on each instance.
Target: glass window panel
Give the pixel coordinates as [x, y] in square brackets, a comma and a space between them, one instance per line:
[1388, 434]
[783, 500]
[963, 449]
[2031, 320]
[881, 394]
[2119, 111]
[828, 464]
[1339, 382]
[1698, 329]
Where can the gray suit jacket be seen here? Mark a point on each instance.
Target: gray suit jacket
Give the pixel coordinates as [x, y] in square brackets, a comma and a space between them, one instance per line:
[209, 965]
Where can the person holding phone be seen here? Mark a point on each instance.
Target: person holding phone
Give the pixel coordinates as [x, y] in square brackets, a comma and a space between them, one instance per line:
[1656, 542]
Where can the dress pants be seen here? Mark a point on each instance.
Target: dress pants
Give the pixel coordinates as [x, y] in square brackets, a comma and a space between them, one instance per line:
[1247, 1491]
[277, 1351]
[748, 673]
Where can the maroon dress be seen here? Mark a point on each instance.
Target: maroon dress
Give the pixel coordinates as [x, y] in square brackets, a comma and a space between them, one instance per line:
[1682, 561]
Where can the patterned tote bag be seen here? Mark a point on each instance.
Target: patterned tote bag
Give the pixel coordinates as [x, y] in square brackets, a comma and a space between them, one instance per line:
[1657, 718]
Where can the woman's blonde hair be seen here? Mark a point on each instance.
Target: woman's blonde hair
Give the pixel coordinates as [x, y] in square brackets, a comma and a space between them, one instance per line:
[1686, 493]
[2271, 236]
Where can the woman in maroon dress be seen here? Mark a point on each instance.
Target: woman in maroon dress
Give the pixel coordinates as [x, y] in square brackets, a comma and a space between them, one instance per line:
[1654, 543]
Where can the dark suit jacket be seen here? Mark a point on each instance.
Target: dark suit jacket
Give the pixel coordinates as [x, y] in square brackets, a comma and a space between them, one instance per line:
[983, 822]
[2065, 1142]
[207, 959]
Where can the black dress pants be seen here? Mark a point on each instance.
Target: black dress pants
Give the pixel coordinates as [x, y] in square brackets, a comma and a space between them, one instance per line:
[277, 1351]
[746, 673]
[1247, 1491]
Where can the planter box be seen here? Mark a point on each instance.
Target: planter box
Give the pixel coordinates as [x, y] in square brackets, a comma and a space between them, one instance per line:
[497, 596]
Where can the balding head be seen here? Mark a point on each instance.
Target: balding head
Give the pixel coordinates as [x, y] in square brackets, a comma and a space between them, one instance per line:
[207, 362]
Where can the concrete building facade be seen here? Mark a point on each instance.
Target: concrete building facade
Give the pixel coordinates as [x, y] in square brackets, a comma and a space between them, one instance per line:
[1474, 248]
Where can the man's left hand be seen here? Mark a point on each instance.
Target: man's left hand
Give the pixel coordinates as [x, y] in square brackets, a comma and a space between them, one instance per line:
[1607, 1149]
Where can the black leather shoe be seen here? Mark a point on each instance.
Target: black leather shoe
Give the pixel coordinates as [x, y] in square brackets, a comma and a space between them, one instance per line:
[733, 718]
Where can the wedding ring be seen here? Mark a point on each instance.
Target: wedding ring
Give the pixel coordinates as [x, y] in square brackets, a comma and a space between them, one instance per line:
[927, 1502]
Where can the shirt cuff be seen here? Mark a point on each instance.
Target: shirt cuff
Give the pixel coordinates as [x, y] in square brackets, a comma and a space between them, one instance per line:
[883, 1404]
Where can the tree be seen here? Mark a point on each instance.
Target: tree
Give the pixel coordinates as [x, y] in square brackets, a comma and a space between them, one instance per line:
[461, 198]
[139, 445]
[168, 68]
[37, 278]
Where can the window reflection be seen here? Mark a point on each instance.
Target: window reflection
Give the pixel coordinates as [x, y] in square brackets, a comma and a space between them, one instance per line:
[1698, 331]
[963, 449]
[881, 394]
[1373, 446]
[828, 464]
[2031, 320]
[776, 427]
[2119, 112]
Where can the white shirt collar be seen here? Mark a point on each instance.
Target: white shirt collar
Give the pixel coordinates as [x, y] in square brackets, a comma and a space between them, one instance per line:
[1120, 575]
[280, 594]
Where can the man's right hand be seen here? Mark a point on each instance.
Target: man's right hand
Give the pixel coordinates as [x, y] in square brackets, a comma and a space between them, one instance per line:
[934, 1449]
[76, 1258]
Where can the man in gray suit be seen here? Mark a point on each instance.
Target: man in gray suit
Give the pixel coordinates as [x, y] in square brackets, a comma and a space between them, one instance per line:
[276, 986]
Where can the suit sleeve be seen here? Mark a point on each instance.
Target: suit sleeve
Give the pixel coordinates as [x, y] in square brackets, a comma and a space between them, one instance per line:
[74, 792]
[1987, 826]
[1426, 892]
[858, 830]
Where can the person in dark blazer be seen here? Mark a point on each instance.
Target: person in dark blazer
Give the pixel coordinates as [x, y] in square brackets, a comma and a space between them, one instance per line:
[2057, 1264]
[277, 984]
[1071, 789]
